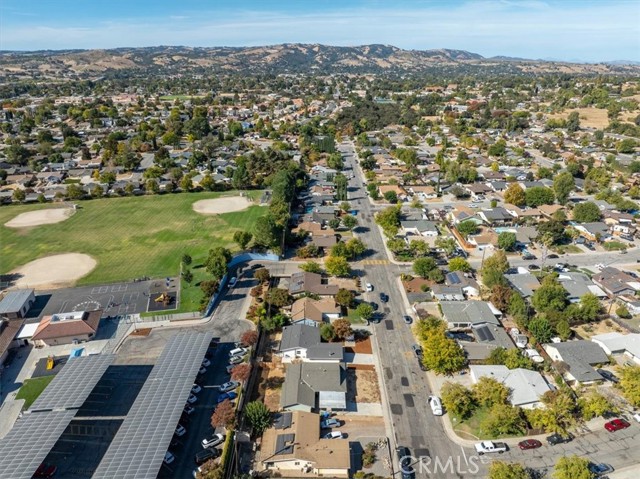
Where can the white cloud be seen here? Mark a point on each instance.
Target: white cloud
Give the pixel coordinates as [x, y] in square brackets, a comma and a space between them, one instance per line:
[533, 29]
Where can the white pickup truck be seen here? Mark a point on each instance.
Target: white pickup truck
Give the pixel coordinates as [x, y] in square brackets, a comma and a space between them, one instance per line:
[486, 447]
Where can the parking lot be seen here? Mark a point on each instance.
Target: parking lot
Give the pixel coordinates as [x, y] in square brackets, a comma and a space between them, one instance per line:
[198, 424]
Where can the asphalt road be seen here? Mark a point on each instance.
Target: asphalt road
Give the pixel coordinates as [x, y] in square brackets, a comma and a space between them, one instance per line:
[406, 388]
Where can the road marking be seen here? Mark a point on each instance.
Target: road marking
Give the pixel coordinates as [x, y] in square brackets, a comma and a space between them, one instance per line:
[376, 261]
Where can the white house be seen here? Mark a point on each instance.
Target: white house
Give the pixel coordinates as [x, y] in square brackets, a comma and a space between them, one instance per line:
[527, 387]
[616, 343]
[301, 341]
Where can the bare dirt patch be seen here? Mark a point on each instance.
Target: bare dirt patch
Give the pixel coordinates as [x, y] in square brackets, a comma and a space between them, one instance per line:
[55, 271]
[218, 206]
[589, 117]
[39, 217]
[586, 331]
[362, 346]
[271, 381]
[362, 386]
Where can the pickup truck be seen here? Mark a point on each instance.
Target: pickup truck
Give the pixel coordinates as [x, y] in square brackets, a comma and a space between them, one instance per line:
[485, 447]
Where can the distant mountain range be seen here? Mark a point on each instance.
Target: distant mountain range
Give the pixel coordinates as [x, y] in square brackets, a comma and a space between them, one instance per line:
[284, 58]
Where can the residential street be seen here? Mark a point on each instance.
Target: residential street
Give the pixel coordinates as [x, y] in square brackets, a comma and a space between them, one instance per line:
[406, 387]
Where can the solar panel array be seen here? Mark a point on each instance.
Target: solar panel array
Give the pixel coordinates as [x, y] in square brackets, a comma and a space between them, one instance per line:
[27, 444]
[139, 446]
[73, 384]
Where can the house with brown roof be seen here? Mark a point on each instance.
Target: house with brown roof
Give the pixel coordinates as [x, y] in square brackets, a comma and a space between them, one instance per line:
[67, 328]
[314, 312]
[398, 190]
[312, 283]
[293, 448]
[549, 210]
[8, 331]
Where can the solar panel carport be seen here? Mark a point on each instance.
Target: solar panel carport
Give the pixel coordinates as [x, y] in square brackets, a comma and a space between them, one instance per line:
[33, 436]
[139, 446]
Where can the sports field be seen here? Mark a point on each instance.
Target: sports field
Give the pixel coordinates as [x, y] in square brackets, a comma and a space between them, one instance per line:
[129, 237]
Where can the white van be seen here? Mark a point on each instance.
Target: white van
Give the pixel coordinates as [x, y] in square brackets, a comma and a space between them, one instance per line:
[237, 352]
[436, 405]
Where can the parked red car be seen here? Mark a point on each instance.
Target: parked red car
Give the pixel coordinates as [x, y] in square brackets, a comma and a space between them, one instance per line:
[45, 471]
[529, 444]
[616, 425]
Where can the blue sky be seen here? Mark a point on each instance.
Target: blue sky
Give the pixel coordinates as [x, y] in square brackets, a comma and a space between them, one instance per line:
[585, 30]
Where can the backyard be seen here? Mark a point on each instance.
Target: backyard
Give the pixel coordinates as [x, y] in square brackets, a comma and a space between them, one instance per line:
[32, 388]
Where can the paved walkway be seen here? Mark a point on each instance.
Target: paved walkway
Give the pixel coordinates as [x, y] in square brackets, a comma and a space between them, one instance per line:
[362, 409]
[358, 358]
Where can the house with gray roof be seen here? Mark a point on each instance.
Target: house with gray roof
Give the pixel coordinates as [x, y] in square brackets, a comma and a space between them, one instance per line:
[580, 357]
[419, 227]
[313, 386]
[469, 286]
[443, 292]
[579, 284]
[496, 216]
[303, 342]
[620, 344]
[615, 282]
[464, 314]
[525, 284]
[312, 283]
[527, 387]
[16, 303]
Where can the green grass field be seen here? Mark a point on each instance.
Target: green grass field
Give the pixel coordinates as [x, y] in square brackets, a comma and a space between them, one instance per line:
[32, 388]
[129, 237]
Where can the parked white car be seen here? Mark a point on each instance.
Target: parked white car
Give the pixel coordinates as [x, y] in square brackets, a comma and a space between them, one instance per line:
[436, 405]
[369, 287]
[229, 386]
[213, 442]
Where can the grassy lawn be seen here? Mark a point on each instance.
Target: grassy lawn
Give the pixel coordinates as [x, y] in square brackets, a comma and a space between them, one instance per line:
[32, 388]
[130, 237]
[353, 316]
[570, 248]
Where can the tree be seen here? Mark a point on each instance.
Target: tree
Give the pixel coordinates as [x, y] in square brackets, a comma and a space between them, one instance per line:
[75, 191]
[587, 212]
[513, 359]
[628, 146]
[507, 470]
[186, 259]
[594, 405]
[337, 266]
[258, 416]
[327, 332]
[349, 221]
[551, 232]
[423, 266]
[242, 238]
[503, 420]
[590, 307]
[19, 195]
[507, 241]
[342, 328]
[249, 337]
[224, 415]
[344, 297]
[572, 467]
[467, 228]
[457, 400]
[550, 296]
[355, 247]
[447, 244]
[563, 185]
[262, 275]
[273, 322]
[311, 267]
[557, 415]
[539, 195]
[216, 263]
[514, 195]
[241, 372]
[279, 297]
[436, 275]
[389, 220]
[459, 264]
[391, 196]
[187, 275]
[541, 329]
[630, 384]
[209, 287]
[241, 178]
[488, 391]
[334, 223]
[365, 311]
[266, 232]
[573, 122]
[497, 261]
[441, 354]
[419, 248]
[500, 296]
